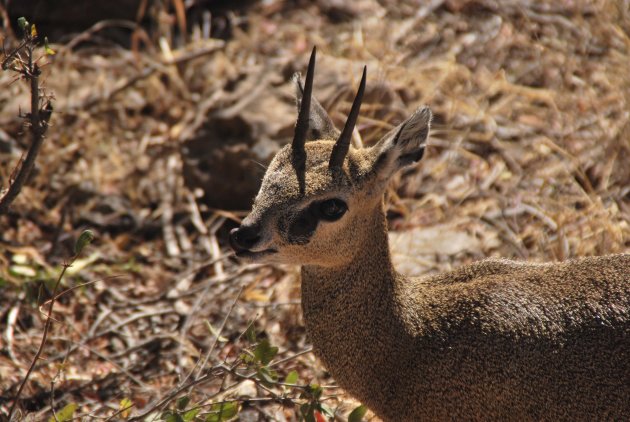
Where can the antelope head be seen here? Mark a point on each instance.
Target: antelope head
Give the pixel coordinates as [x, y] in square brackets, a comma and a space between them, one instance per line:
[320, 195]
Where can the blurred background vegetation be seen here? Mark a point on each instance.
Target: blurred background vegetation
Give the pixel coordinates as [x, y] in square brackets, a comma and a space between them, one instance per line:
[165, 115]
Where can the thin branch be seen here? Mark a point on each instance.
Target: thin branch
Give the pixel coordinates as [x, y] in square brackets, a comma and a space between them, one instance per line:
[44, 336]
[175, 392]
[218, 333]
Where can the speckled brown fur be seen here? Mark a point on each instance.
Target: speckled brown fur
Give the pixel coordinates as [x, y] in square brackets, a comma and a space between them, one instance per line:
[495, 340]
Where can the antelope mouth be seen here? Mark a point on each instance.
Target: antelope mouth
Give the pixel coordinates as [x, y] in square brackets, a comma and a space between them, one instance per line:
[254, 255]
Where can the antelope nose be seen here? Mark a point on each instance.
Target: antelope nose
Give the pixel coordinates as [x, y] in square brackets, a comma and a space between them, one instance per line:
[244, 237]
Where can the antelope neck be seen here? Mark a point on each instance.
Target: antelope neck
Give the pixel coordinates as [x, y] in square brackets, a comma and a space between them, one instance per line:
[368, 273]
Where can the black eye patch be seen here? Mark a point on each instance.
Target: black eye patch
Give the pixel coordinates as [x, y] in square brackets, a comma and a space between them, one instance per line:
[304, 224]
[302, 227]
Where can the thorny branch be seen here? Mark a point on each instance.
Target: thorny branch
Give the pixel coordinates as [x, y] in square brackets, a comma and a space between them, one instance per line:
[41, 110]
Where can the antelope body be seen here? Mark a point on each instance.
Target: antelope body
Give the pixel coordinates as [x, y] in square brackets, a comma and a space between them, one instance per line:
[495, 340]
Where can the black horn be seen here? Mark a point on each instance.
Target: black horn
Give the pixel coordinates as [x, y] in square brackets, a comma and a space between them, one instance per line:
[343, 143]
[301, 127]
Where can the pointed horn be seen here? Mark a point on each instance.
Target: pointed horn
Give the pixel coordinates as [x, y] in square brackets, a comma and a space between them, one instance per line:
[301, 127]
[343, 143]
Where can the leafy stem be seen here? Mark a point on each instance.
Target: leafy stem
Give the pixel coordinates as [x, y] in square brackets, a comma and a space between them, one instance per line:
[84, 239]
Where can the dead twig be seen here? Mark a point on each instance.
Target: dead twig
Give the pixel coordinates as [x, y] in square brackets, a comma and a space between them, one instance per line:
[150, 70]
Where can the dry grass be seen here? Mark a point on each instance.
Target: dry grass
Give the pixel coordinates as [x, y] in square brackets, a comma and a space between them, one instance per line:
[528, 159]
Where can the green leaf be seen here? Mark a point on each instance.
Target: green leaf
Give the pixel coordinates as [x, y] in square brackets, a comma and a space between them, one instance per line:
[265, 352]
[267, 376]
[315, 390]
[250, 334]
[65, 414]
[23, 24]
[182, 402]
[307, 412]
[191, 414]
[222, 411]
[357, 414]
[247, 357]
[125, 407]
[169, 416]
[84, 239]
[47, 48]
[292, 378]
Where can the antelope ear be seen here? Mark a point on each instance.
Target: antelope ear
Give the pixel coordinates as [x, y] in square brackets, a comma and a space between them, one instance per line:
[320, 126]
[403, 145]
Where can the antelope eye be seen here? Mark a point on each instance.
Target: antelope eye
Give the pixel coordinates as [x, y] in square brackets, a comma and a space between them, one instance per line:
[332, 209]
